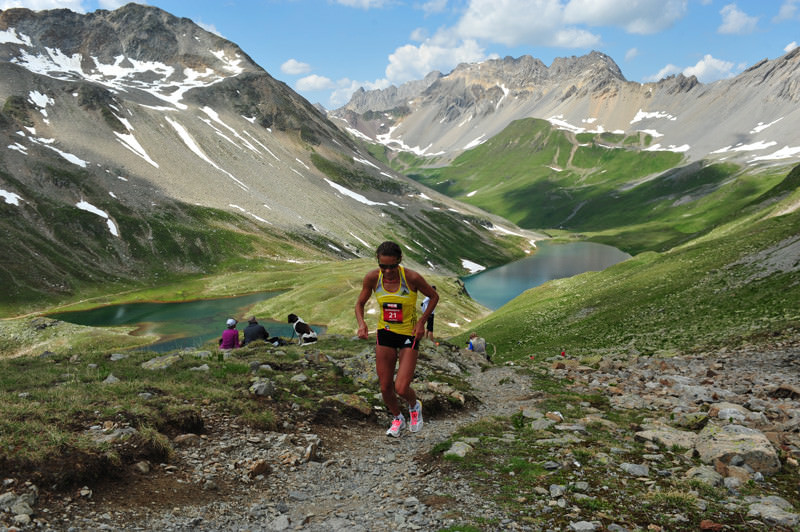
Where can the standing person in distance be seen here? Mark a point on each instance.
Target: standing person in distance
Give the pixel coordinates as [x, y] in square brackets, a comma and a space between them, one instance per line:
[399, 330]
[429, 322]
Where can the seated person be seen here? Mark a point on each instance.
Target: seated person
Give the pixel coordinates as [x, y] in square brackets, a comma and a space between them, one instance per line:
[254, 331]
[230, 336]
[305, 335]
[477, 344]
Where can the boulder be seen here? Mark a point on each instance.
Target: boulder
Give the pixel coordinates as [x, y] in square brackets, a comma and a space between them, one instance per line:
[667, 437]
[724, 443]
[349, 401]
[705, 474]
[162, 362]
[263, 388]
[458, 449]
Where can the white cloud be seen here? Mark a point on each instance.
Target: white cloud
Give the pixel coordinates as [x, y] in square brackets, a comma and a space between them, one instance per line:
[114, 4]
[36, 5]
[789, 47]
[788, 11]
[644, 17]
[419, 34]
[314, 83]
[630, 54]
[346, 87]
[668, 70]
[520, 22]
[710, 69]
[295, 68]
[434, 6]
[736, 22]
[363, 4]
[208, 27]
[415, 62]
[706, 70]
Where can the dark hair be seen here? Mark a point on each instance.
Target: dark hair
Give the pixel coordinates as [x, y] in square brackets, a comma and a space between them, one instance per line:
[389, 249]
[292, 318]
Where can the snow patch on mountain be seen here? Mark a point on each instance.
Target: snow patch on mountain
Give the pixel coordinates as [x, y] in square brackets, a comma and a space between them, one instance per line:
[126, 73]
[784, 153]
[472, 267]
[762, 126]
[245, 211]
[399, 145]
[86, 206]
[559, 122]
[215, 119]
[192, 145]
[10, 197]
[477, 142]
[641, 115]
[355, 195]
[756, 146]
[672, 147]
[18, 147]
[11, 36]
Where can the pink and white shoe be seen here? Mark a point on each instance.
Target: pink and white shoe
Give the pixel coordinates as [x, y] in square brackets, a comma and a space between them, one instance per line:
[398, 424]
[416, 417]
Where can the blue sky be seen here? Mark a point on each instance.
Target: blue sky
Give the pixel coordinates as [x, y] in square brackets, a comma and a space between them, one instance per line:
[325, 49]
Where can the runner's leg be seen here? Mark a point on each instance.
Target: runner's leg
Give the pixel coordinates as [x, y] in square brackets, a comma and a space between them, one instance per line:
[385, 361]
[405, 373]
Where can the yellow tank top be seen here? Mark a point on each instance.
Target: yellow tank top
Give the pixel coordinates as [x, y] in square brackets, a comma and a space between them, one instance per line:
[398, 310]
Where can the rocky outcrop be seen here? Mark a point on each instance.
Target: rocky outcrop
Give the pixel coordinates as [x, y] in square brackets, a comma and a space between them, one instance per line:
[389, 98]
[737, 412]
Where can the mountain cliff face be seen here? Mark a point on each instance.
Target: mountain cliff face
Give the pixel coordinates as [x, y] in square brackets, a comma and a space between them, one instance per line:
[748, 118]
[134, 143]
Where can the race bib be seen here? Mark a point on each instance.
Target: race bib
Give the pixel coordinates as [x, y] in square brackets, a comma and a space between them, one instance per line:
[393, 312]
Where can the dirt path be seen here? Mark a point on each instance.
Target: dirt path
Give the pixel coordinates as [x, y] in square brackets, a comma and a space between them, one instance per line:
[361, 480]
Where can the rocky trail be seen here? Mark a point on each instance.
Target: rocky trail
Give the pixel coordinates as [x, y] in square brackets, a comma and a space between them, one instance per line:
[344, 474]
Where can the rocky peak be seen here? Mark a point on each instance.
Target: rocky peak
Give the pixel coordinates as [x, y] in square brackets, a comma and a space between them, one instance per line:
[390, 97]
[511, 72]
[679, 83]
[592, 65]
[472, 81]
[134, 46]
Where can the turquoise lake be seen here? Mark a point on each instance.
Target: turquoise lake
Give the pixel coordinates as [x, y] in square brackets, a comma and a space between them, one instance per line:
[182, 324]
[495, 287]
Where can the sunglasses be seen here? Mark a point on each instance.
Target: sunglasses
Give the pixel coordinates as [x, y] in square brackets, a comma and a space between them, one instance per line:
[387, 266]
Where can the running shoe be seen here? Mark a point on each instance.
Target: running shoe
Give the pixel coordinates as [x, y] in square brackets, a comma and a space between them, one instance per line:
[398, 424]
[416, 417]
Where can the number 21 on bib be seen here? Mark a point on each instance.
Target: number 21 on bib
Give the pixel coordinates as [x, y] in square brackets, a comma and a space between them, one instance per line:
[393, 312]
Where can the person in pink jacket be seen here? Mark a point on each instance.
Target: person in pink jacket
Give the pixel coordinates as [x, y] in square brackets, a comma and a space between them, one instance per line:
[230, 336]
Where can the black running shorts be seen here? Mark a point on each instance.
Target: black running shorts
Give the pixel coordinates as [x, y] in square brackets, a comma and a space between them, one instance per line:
[398, 341]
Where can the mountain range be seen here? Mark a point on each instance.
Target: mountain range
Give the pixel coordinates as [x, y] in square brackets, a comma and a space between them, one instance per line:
[748, 118]
[135, 146]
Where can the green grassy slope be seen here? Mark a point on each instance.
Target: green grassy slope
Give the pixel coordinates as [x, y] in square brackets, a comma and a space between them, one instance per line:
[607, 185]
[737, 282]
